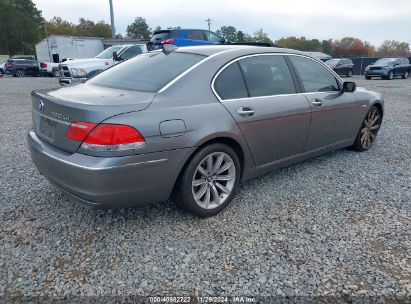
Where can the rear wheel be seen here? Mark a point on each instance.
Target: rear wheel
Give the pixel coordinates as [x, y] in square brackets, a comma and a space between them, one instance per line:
[367, 77]
[209, 181]
[405, 76]
[20, 73]
[55, 73]
[368, 131]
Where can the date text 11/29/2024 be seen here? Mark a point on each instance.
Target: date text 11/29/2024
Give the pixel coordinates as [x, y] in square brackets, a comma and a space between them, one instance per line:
[205, 299]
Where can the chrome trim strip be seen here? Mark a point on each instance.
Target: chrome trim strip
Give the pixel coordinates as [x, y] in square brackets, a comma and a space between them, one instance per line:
[268, 96]
[53, 119]
[192, 68]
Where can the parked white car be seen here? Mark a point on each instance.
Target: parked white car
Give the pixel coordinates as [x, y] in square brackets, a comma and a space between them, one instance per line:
[52, 68]
[76, 71]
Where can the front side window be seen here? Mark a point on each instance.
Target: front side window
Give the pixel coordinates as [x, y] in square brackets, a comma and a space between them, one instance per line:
[131, 52]
[230, 83]
[108, 53]
[314, 76]
[267, 75]
[148, 72]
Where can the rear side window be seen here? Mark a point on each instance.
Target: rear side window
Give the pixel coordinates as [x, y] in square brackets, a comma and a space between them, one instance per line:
[267, 75]
[314, 76]
[165, 35]
[147, 72]
[230, 83]
[196, 35]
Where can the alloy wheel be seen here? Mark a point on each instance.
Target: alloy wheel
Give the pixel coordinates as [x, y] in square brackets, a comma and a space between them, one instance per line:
[213, 180]
[391, 76]
[370, 128]
[19, 73]
[406, 75]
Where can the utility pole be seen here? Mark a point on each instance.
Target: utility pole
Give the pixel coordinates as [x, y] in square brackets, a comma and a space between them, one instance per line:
[208, 20]
[113, 30]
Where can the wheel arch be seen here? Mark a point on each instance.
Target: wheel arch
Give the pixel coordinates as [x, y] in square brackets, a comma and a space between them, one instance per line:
[379, 107]
[229, 141]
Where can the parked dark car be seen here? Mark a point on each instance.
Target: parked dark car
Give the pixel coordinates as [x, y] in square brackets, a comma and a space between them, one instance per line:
[342, 66]
[184, 37]
[389, 68]
[22, 67]
[195, 121]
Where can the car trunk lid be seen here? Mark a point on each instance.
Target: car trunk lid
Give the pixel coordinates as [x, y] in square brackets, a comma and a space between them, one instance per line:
[54, 110]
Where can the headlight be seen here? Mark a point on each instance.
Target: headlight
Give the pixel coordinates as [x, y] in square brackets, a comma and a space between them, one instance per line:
[78, 73]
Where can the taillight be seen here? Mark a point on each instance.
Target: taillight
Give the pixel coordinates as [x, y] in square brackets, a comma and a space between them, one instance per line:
[44, 65]
[8, 65]
[79, 130]
[168, 41]
[105, 137]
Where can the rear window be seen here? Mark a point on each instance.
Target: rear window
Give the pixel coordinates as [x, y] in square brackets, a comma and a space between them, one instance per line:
[147, 72]
[165, 35]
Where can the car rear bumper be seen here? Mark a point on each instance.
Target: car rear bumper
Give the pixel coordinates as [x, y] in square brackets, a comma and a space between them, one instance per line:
[111, 182]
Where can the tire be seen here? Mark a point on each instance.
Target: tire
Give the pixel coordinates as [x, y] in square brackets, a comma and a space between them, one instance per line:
[20, 73]
[390, 76]
[405, 76]
[368, 131]
[349, 74]
[55, 73]
[214, 191]
[367, 77]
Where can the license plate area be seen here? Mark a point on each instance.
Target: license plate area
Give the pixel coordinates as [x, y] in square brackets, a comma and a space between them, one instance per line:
[47, 128]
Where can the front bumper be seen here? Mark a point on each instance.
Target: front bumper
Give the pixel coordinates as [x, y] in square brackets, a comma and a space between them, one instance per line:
[111, 182]
[377, 73]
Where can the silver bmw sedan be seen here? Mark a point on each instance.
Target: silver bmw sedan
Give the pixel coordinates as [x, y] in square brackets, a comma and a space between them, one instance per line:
[192, 123]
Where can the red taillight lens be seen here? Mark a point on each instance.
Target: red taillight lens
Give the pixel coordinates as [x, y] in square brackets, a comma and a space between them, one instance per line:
[45, 65]
[168, 41]
[109, 134]
[79, 130]
[8, 65]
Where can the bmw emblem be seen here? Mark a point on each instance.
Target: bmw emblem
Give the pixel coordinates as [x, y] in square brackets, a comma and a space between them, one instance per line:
[41, 106]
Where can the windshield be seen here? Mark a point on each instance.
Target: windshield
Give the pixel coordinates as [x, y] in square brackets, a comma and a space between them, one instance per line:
[108, 53]
[332, 61]
[385, 61]
[147, 72]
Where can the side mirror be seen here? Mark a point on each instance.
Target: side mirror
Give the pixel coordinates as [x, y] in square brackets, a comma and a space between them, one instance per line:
[349, 87]
[115, 56]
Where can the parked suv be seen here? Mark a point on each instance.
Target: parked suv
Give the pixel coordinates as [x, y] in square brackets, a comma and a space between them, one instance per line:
[22, 67]
[184, 37]
[342, 66]
[389, 68]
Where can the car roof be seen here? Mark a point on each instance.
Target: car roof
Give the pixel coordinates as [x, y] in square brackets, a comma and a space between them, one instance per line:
[209, 50]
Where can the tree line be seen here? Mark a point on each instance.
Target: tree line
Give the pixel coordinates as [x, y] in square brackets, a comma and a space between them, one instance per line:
[22, 26]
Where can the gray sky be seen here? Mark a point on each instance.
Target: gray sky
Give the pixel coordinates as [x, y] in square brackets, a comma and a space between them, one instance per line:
[371, 20]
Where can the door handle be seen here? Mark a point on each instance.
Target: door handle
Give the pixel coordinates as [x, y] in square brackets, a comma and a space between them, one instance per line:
[245, 111]
[317, 102]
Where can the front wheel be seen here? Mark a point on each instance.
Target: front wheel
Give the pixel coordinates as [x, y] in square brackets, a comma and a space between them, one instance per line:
[349, 74]
[368, 131]
[390, 76]
[209, 181]
[405, 76]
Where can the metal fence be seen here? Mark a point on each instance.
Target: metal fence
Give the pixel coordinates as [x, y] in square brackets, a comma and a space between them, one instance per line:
[360, 63]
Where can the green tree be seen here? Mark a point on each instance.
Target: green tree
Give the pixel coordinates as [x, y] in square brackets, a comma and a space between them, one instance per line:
[21, 26]
[139, 29]
[260, 36]
[228, 32]
[301, 44]
[327, 46]
[240, 37]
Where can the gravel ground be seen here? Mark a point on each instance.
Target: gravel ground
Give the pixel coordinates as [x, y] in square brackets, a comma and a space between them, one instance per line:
[336, 225]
